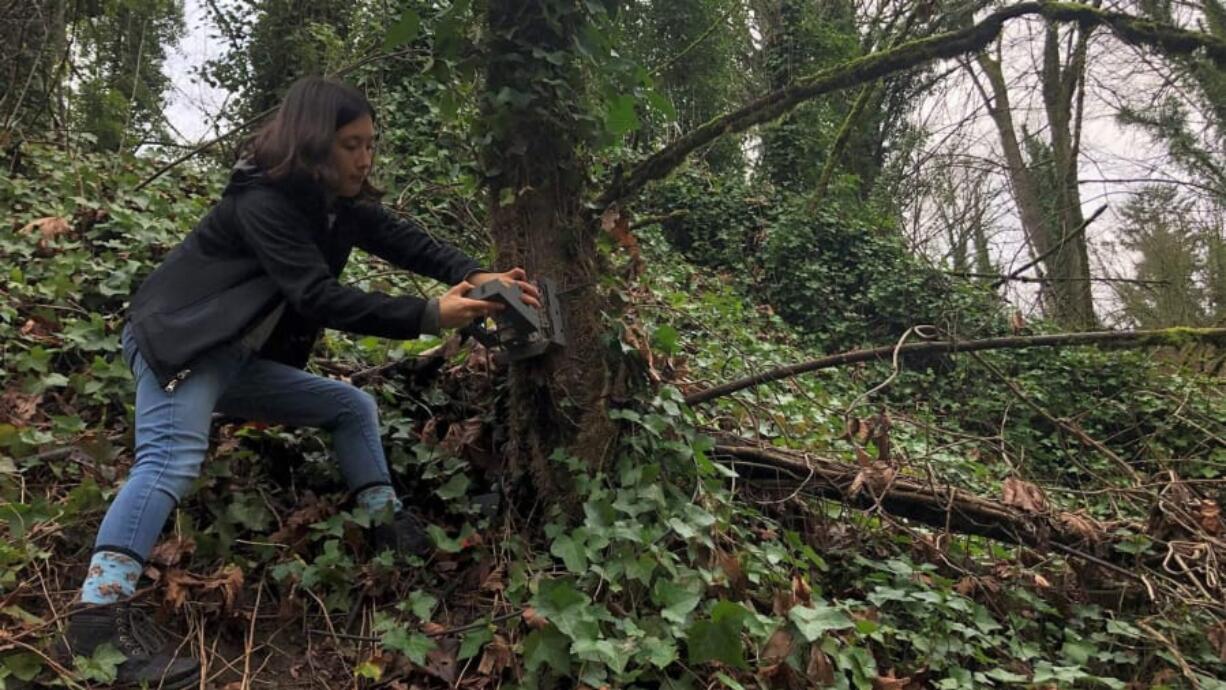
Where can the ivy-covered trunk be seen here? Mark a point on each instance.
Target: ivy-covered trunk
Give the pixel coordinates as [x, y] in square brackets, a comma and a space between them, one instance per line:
[534, 115]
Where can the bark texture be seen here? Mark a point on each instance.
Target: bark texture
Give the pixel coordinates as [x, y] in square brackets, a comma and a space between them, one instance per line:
[556, 401]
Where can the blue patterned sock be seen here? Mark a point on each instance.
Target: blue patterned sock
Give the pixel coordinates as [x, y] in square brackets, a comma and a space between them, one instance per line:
[112, 576]
[376, 498]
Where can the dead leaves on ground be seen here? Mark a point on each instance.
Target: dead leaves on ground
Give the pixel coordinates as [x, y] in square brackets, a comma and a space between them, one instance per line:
[19, 409]
[1024, 496]
[181, 585]
[48, 229]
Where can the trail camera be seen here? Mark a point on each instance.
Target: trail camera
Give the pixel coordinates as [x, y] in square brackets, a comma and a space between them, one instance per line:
[520, 331]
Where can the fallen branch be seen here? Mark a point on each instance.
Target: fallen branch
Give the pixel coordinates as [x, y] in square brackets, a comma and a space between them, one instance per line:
[938, 506]
[951, 509]
[1162, 337]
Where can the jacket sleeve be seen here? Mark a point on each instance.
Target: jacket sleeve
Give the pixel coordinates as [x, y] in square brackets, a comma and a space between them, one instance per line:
[279, 236]
[404, 244]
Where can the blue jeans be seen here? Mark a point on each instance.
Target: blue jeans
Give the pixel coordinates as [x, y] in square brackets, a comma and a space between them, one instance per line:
[172, 432]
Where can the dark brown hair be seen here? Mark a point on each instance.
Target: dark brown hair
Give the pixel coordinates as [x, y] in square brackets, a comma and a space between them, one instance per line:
[295, 146]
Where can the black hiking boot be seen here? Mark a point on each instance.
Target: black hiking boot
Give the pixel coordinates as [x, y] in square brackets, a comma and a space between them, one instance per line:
[403, 534]
[131, 631]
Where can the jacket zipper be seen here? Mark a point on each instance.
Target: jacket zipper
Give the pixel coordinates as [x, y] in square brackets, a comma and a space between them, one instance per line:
[174, 381]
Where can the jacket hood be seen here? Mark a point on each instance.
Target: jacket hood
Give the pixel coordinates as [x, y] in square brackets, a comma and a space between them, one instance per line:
[246, 174]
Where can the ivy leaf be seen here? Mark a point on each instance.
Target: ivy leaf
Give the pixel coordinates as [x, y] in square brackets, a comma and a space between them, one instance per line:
[677, 599]
[613, 653]
[402, 31]
[422, 604]
[814, 622]
[473, 642]
[665, 339]
[454, 488]
[621, 117]
[571, 552]
[547, 646]
[415, 646]
[102, 666]
[567, 608]
[711, 641]
[660, 653]
[23, 665]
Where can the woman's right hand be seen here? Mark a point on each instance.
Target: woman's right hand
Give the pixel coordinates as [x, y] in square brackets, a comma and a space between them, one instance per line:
[456, 311]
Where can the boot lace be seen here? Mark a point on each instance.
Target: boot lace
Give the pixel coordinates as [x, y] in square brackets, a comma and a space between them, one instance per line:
[139, 633]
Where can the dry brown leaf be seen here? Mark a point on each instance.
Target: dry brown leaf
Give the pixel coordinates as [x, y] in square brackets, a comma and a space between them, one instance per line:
[637, 339]
[819, 669]
[441, 661]
[1217, 638]
[965, 586]
[432, 628]
[1041, 581]
[731, 566]
[534, 619]
[494, 581]
[876, 475]
[461, 435]
[19, 408]
[49, 228]
[617, 225]
[1082, 525]
[801, 589]
[180, 583]
[782, 602]
[1023, 495]
[1209, 514]
[890, 682]
[1017, 323]
[171, 552]
[857, 429]
[429, 432]
[498, 656]
[778, 647]
[881, 435]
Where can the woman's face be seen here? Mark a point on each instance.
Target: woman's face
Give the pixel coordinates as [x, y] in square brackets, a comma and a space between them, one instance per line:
[353, 151]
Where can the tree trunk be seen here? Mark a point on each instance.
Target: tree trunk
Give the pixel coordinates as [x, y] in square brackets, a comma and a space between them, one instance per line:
[1070, 301]
[557, 401]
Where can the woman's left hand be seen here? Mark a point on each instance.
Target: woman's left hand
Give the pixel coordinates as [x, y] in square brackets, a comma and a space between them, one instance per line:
[515, 276]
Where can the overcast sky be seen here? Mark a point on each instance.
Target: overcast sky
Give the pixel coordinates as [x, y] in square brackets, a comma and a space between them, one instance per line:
[193, 106]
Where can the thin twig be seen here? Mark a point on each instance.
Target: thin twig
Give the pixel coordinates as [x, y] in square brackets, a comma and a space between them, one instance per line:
[1055, 248]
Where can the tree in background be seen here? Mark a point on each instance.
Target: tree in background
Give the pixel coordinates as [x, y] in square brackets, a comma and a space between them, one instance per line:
[1178, 253]
[1187, 112]
[93, 67]
[269, 44]
[124, 85]
[1045, 182]
[799, 38]
[696, 52]
[32, 46]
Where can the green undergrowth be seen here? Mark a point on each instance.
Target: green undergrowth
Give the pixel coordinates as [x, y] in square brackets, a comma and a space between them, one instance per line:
[675, 572]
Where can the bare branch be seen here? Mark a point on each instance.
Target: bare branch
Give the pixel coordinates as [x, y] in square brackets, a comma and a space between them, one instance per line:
[1163, 337]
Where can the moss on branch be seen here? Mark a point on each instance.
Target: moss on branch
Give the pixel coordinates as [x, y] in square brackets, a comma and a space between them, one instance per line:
[1168, 39]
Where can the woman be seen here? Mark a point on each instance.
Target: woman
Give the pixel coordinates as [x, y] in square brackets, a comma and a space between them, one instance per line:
[227, 321]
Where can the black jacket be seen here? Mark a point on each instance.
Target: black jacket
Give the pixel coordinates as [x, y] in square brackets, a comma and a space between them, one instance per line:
[266, 242]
